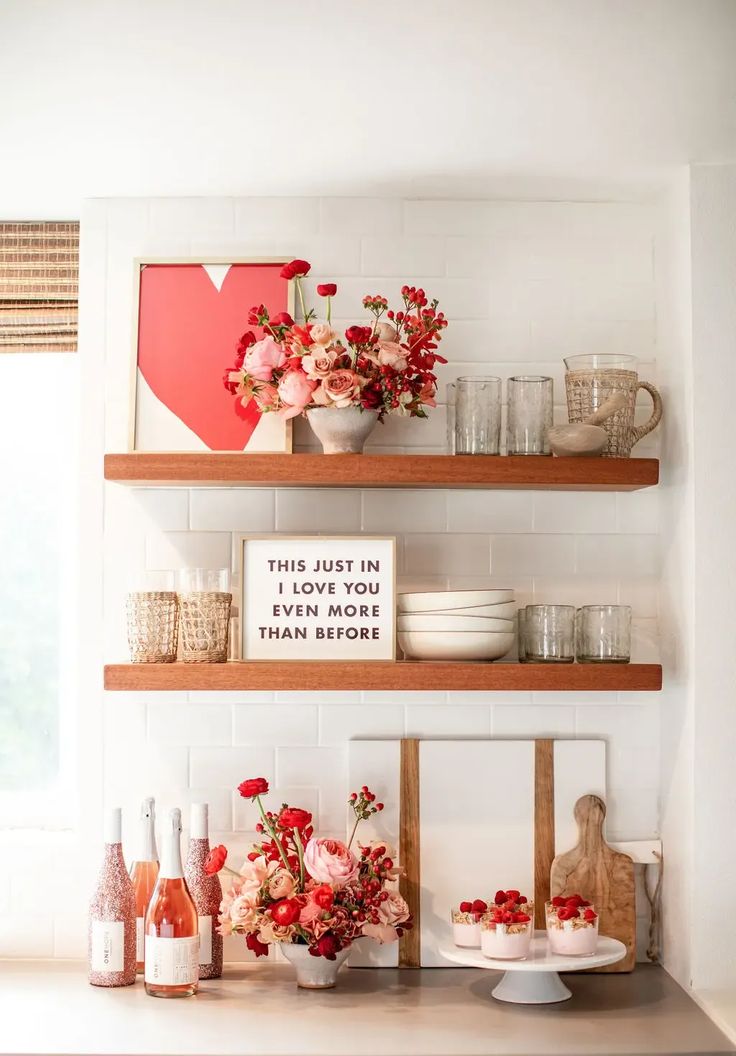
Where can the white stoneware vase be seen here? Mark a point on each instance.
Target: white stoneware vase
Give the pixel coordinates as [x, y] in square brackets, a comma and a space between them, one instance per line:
[342, 430]
[313, 973]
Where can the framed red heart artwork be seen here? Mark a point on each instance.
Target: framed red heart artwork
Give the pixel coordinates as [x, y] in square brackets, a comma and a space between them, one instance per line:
[190, 315]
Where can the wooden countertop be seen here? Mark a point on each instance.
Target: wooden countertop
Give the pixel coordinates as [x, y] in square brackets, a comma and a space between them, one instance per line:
[48, 1007]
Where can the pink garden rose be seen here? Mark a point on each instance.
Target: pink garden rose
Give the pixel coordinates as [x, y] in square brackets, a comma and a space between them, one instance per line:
[394, 910]
[386, 332]
[281, 885]
[330, 862]
[265, 397]
[318, 363]
[391, 354]
[263, 358]
[340, 388]
[295, 391]
[322, 334]
[381, 933]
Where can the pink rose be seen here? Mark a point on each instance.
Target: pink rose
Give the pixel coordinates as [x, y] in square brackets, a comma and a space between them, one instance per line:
[330, 862]
[391, 354]
[342, 387]
[263, 358]
[386, 332]
[322, 334]
[266, 397]
[295, 391]
[394, 910]
[382, 933]
[281, 885]
[318, 363]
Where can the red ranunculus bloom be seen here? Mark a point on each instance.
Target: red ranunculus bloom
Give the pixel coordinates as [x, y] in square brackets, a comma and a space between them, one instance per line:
[295, 818]
[254, 944]
[294, 268]
[326, 947]
[324, 896]
[282, 319]
[358, 335]
[215, 860]
[248, 339]
[255, 315]
[286, 911]
[254, 786]
[327, 289]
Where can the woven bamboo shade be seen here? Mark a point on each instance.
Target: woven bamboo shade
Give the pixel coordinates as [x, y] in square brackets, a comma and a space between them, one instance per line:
[39, 270]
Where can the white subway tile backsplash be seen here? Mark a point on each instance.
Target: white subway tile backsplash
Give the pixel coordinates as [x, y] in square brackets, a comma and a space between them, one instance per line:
[489, 511]
[339, 723]
[193, 724]
[461, 720]
[308, 766]
[176, 550]
[361, 216]
[449, 554]
[165, 508]
[533, 555]
[580, 512]
[276, 216]
[410, 258]
[228, 767]
[271, 724]
[621, 555]
[317, 510]
[543, 720]
[232, 510]
[393, 511]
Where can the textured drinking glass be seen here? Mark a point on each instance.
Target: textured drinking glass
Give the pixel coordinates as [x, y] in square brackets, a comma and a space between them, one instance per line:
[195, 580]
[450, 410]
[548, 633]
[604, 634]
[530, 399]
[477, 416]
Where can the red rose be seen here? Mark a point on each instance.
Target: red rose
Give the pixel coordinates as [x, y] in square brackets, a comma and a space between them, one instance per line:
[215, 860]
[295, 268]
[254, 944]
[326, 947]
[286, 911]
[358, 335]
[327, 289]
[254, 786]
[324, 896]
[282, 319]
[294, 818]
[248, 339]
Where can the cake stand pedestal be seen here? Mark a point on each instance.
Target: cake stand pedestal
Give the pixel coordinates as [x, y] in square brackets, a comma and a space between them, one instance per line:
[535, 980]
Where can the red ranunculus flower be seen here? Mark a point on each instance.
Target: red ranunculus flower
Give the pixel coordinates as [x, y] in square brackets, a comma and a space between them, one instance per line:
[286, 911]
[324, 896]
[294, 818]
[255, 315]
[358, 335]
[326, 947]
[282, 319]
[327, 289]
[254, 786]
[294, 268]
[248, 339]
[215, 860]
[254, 944]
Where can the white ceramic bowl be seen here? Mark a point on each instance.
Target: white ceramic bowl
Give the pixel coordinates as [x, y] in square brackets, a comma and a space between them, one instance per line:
[451, 599]
[463, 645]
[501, 611]
[438, 621]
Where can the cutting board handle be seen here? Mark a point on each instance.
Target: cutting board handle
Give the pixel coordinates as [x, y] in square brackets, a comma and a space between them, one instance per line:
[590, 814]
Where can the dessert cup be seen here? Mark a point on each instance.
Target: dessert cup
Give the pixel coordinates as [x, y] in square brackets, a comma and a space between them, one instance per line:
[508, 942]
[577, 937]
[465, 930]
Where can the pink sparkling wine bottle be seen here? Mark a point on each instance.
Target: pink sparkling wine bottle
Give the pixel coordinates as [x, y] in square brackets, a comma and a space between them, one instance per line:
[111, 942]
[206, 892]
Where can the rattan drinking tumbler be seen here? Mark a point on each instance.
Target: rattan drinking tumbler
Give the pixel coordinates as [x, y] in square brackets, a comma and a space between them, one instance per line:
[153, 626]
[205, 625]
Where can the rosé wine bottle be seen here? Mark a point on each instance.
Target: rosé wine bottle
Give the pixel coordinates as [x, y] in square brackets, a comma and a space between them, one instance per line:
[171, 927]
[111, 943]
[144, 874]
[206, 892]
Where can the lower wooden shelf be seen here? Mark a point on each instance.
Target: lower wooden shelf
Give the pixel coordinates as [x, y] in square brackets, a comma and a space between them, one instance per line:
[376, 675]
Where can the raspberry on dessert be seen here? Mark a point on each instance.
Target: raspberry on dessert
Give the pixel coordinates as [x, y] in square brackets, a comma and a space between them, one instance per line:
[558, 901]
[466, 907]
[479, 906]
[500, 898]
[590, 914]
[522, 918]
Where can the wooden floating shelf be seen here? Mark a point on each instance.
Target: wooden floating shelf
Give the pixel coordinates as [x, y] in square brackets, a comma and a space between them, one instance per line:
[209, 469]
[377, 675]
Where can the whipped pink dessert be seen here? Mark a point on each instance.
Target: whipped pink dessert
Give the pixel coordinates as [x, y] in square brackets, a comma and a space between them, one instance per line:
[572, 926]
[466, 923]
[507, 929]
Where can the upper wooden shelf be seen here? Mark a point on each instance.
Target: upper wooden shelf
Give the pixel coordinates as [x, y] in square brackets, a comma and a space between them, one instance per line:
[208, 469]
[379, 675]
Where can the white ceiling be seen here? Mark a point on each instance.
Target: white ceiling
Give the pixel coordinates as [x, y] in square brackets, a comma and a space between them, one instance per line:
[514, 98]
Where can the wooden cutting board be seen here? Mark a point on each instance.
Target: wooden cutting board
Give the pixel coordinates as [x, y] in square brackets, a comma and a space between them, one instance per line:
[602, 875]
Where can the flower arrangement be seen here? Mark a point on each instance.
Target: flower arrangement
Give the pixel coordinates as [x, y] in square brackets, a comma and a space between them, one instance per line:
[297, 888]
[385, 366]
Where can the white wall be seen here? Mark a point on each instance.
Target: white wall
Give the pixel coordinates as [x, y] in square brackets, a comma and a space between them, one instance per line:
[523, 284]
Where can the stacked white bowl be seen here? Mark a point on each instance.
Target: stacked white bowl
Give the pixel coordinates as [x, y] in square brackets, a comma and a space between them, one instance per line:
[456, 624]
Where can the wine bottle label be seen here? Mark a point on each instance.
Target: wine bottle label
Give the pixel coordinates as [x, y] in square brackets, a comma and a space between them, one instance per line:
[139, 941]
[108, 945]
[205, 940]
[172, 962]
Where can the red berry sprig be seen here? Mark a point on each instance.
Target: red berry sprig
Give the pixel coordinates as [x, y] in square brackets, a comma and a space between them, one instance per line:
[364, 803]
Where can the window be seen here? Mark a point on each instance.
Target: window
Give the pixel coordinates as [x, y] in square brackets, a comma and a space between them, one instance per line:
[38, 458]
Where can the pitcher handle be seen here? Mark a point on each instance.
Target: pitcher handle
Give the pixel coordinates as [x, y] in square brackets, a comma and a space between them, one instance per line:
[641, 430]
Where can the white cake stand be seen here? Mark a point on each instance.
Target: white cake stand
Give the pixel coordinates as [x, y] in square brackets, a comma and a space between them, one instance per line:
[534, 981]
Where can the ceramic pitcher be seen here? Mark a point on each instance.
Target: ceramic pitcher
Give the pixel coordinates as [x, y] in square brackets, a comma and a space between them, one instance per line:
[591, 379]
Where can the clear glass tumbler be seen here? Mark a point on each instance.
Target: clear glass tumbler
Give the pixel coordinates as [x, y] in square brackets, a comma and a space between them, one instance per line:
[548, 633]
[530, 402]
[478, 416]
[450, 411]
[604, 634]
